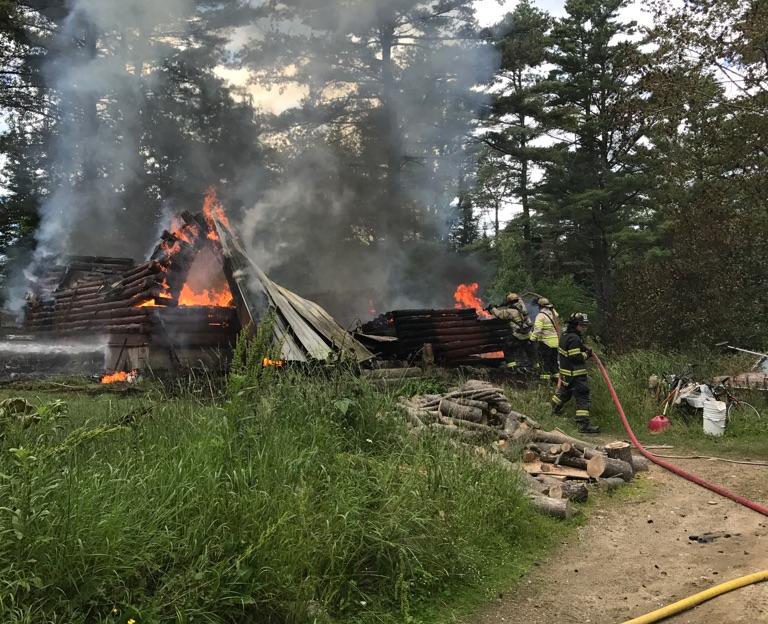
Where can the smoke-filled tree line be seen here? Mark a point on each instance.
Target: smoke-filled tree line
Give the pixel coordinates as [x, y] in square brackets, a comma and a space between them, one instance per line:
[631, 159]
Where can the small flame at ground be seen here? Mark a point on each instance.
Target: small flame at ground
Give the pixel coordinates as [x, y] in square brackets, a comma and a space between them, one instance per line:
[466, 299]
[120, 377]
[267, 363]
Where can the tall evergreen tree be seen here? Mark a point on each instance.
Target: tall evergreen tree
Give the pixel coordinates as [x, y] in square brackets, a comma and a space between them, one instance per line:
[593, 189]
[518, 119]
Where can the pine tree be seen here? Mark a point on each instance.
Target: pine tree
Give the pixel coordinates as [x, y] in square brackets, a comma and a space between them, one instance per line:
[518, 120]
[593, 189]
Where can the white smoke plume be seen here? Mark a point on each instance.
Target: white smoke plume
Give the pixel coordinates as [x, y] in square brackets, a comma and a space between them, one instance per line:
[102, 72]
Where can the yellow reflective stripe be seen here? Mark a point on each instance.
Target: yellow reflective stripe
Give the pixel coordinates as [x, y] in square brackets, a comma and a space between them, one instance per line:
[582, 412]
[574, 373]
[555, 399]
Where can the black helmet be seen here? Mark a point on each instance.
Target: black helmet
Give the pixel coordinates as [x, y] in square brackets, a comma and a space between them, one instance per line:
[578, 318]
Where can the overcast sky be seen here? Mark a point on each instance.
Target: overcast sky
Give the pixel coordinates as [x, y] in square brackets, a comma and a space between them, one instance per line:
[491, 11]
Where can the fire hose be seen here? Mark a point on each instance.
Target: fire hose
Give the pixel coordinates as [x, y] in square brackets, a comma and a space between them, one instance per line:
[696, 599]
[713, 487]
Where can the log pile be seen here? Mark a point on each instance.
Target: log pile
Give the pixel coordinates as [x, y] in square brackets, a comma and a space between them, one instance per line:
[555, 469]
[453, 335]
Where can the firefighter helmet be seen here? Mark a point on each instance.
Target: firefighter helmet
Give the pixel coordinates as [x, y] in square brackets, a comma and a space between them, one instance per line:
[513, 297]
[578, 318]
[545, 303]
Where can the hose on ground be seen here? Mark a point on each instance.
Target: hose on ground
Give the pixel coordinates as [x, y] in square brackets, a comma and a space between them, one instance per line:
[697, 599]
[717, 489]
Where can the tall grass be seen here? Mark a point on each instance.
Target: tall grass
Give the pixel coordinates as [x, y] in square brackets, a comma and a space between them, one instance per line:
[299, 499]
[630, 373]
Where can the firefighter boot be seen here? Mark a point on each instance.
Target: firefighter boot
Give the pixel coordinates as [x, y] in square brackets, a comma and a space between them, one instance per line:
[585, 426]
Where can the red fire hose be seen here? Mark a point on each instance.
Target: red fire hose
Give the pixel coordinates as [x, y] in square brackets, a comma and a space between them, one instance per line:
[671, 467]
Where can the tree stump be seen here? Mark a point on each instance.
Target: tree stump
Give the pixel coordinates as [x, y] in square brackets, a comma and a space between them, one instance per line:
[619, 450]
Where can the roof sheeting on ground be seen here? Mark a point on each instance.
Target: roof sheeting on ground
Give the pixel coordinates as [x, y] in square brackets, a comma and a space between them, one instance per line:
[304, 330]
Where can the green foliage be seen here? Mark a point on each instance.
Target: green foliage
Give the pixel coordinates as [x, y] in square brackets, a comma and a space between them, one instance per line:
[302, 501]
[567, 295]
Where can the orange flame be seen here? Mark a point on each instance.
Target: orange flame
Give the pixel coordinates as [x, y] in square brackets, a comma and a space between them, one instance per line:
[120, 377]
[267, 363]
[466, 298]
[212, 208]
[214, 298]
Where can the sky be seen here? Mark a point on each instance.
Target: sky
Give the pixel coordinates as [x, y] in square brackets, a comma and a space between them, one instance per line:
[491, 11]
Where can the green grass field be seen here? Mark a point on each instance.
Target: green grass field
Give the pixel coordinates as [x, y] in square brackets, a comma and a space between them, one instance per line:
[285, 496]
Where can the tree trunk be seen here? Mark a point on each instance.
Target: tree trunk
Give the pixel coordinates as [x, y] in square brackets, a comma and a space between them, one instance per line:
[390, 122]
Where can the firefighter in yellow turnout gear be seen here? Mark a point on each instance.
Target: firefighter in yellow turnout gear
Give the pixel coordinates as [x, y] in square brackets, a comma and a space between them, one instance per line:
[546, 335]
[573, 372]
[518, 351]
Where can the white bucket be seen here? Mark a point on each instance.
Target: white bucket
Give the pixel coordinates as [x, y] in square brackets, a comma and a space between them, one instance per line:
[714, 417]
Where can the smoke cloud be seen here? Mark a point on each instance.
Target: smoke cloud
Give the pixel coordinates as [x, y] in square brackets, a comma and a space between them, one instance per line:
[336, 229]
[103, 71]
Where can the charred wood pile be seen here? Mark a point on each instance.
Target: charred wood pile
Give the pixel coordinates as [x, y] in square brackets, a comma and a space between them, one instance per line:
[132, 305]
[453, 336]
[554, 468]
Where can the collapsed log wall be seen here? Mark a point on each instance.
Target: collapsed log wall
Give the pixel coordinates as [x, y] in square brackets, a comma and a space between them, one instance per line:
[454, 335]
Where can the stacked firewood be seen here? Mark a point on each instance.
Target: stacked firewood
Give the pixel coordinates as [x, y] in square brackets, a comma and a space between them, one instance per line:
[452, 335]
[473, 411]
[554, 468]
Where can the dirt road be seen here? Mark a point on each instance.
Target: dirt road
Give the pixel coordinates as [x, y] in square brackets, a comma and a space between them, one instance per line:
[635, 555]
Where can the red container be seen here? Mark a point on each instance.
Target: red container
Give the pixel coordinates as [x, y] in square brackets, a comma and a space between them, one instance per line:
[658, 423]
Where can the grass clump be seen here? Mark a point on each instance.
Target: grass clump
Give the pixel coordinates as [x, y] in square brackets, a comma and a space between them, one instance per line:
[629, 372]
[298, 499]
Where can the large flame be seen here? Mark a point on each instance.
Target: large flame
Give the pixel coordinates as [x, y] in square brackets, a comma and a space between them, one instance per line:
[216, 298]
[216, 295]
[466, 299]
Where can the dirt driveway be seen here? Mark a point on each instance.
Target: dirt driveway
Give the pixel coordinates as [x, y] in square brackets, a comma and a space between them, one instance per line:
[635, 555]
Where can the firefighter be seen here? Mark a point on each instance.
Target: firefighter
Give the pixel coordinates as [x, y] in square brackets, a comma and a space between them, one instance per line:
[518, 351]
[546, 336]
[573, 372]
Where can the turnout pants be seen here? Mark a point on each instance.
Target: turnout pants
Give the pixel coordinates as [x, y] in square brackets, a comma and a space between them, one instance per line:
[578, 388]
[519, 352]
[548, 362]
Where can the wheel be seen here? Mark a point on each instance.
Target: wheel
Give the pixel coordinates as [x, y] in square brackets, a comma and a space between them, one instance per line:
[740, 410]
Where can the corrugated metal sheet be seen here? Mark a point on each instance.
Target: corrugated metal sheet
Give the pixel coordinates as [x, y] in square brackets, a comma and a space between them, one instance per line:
[304, 330]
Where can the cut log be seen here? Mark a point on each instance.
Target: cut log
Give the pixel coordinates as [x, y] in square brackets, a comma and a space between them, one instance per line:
[640, 463]
[510, 425]
[557, 508]
[619, 450]
[522, 433]
[596, 466]
[557, 437]
[466, 424]
[482, 405]
[529, 456]
[602, 466]
[455, 410]
[537, 468]
[572, 490]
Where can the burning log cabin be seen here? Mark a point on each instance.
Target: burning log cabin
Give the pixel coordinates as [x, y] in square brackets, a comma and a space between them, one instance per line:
[184, 306]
